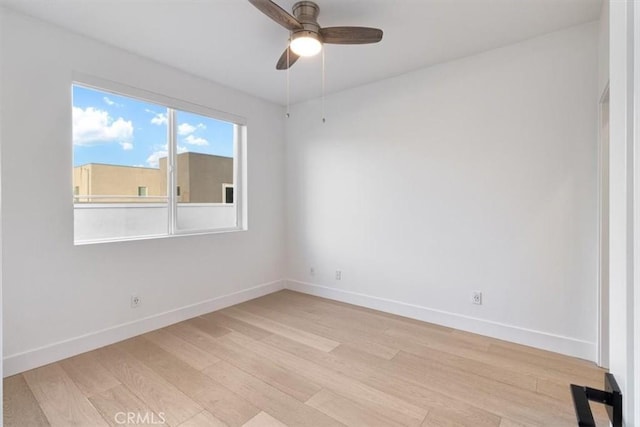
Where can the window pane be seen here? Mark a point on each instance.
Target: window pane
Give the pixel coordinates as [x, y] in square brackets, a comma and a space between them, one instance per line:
[204, 172]
[119, 166]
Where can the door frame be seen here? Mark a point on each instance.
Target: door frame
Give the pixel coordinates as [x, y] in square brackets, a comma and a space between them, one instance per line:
[635, 310]
[602, 356]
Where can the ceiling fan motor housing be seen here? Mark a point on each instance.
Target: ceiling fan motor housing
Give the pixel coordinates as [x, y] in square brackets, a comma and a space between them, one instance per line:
[306, 12]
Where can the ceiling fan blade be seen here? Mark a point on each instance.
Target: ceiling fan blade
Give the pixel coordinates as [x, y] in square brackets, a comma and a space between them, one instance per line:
[350, 35]
[278, 14]
[286, 61]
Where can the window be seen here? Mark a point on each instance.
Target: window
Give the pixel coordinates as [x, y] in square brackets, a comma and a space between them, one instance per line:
[227, 193]
[152, 169]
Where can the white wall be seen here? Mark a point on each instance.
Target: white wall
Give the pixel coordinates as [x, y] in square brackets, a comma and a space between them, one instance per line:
[623, 208]
[603, 47]
[478, 174]
[55, 291]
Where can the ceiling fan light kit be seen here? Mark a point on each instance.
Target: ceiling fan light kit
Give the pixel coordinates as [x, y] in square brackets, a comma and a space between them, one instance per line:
[305, 43]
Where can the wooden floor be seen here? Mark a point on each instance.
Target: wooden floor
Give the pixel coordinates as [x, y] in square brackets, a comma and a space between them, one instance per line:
[297, 360]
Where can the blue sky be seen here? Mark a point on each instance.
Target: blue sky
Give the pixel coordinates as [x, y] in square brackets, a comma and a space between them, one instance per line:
[113, 129]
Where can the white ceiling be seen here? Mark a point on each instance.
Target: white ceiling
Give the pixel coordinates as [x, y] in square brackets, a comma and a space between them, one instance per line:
[232, 43]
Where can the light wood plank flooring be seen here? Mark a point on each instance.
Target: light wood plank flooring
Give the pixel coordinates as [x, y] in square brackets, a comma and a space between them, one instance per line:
[290, 359]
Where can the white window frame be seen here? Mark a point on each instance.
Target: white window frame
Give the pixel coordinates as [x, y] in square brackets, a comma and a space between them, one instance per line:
[173, 105]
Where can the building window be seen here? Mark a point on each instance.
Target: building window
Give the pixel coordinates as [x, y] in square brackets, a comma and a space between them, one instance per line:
[227, 193]
[183, 160]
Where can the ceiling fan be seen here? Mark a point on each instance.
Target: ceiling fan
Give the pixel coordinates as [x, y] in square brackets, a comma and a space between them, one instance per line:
[307, 36]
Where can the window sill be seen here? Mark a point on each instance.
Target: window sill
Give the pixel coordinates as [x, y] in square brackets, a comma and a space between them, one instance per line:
[159, 236]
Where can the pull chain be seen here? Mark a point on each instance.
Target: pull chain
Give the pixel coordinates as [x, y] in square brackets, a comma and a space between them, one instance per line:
[324, 120]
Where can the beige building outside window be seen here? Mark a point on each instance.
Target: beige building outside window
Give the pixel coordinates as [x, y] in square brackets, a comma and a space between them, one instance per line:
[202, 178]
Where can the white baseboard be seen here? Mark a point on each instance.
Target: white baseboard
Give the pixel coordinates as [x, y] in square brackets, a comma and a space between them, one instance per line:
[24, 361]
[20, 362]
[543, 340]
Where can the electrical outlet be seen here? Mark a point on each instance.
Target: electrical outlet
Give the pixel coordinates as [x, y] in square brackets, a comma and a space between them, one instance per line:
[476, 297]
[312, 271]
[135, 301]
[338, 275]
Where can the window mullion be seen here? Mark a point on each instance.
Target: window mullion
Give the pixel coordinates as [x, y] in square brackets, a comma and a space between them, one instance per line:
[238, 174]
[171, 169]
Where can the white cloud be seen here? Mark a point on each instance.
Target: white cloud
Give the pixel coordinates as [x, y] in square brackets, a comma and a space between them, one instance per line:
[161, 151]
[195, 140]
[110, 102]
[159, 119]
[126, 146]
[186, 128]
[93, 126]
[154, 159]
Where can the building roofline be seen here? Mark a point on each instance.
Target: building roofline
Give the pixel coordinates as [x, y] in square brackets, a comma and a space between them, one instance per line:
[203, 154]
[145, 167]
[110, 164]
